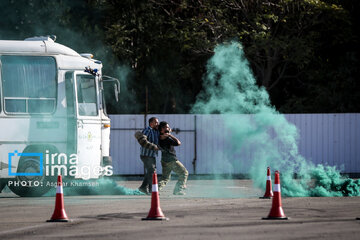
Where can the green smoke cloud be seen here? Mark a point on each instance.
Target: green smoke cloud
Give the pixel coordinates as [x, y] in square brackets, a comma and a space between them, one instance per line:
[230, 89]
[103, 186]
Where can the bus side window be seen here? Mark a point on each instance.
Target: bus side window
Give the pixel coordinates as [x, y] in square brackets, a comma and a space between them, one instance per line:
[29, 84]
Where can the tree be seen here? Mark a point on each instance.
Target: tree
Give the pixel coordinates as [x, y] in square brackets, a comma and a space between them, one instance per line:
[305, 52]
[285, 39]
[167, 44]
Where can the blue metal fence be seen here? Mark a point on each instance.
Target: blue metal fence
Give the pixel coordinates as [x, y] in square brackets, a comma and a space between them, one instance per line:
[332, 139]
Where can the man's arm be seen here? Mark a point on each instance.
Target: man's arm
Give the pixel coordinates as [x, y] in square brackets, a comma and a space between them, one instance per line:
[143, 141]
[175, 139]
[172, 137]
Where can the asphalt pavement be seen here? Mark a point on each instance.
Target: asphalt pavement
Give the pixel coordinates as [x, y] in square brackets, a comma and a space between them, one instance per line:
[212, 209]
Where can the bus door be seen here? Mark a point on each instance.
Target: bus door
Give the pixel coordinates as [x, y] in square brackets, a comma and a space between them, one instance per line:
[88, 126]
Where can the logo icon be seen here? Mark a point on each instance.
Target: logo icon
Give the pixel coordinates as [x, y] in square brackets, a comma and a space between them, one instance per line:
[17, 154]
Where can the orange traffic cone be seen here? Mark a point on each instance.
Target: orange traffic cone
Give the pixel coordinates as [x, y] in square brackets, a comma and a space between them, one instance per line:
[276, 211]
[155, 212]
[59, 214]
[268, 192]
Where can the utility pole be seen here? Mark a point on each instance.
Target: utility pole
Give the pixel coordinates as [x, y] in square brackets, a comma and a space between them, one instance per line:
[146, 104]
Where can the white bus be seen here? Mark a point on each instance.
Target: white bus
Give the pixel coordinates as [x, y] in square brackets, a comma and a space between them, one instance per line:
[52, 115]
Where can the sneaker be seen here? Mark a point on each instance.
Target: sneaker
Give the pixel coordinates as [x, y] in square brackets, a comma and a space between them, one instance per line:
[143, 190]
[181, 192]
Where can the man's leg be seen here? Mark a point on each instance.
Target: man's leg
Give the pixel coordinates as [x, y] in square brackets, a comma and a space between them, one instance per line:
[182, 174]
[166, 174]
[150, 166]
[143, 187]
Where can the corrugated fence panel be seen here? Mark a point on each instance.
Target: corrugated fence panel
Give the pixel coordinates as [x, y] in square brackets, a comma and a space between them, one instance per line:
[210, 145]
[331, 129]
[355, 143]
[124, 149]
[346, 144]
[329, 139]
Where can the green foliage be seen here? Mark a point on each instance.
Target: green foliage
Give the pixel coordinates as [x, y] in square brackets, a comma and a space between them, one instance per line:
[286, 41]
[304, 52]
[293, 48]
[167, 44]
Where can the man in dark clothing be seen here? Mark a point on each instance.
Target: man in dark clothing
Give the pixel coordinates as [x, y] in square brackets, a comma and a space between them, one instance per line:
[148, 155]
[169, 161]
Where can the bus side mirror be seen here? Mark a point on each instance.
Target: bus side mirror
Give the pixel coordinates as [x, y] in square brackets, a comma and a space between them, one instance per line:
[117, 90]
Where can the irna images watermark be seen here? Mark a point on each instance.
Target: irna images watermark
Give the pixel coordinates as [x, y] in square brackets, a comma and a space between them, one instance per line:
[59, 163]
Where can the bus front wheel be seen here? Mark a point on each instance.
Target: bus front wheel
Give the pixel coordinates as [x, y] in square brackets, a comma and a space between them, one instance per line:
[2, 185]
[27, 185]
